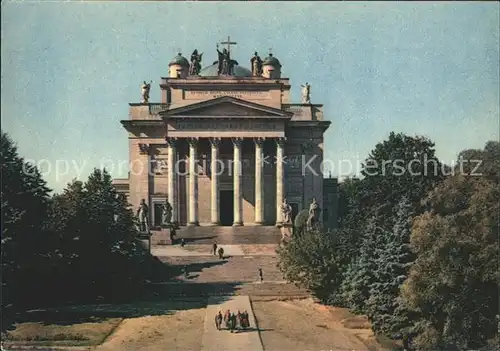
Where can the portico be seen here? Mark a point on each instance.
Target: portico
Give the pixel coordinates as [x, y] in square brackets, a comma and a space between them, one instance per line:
[233, 169]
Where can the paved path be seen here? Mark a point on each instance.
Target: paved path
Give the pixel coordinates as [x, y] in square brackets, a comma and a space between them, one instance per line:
[223, 340]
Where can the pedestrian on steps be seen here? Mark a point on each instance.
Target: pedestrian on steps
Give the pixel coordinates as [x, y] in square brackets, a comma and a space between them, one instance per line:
[261, 276]
[214, 246]
[183, 242]
[221, 253]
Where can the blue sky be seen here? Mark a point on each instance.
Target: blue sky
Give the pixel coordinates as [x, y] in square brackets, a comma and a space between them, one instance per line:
[69, 70]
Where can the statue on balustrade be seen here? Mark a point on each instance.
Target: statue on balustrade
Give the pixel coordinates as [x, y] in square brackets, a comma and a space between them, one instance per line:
[286, 210]
[306, 93]
[166, 217]
[256, 64]
[146, 87]
[142, 217]
[313, 219]
[225, 63]
[195, 66]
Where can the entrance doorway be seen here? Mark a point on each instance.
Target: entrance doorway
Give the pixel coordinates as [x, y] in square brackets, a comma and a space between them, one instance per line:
[226, 199]
[158, 212]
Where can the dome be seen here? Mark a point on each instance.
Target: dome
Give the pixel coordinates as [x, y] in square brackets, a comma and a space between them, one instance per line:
[271, 61]
[211, 71]
[179, 60]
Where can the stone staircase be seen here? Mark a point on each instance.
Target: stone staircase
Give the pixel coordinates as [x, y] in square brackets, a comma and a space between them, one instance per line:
[223, 235]
[243, 269]
[209, 276]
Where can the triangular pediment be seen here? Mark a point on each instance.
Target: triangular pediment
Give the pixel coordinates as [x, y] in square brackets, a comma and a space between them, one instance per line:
[226, 106]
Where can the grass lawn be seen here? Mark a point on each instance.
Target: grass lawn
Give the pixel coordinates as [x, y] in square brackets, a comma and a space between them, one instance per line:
[78, 334]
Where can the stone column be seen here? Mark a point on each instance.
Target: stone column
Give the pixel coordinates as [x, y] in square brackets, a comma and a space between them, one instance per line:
[193, 182]
[237, 181]
[171, 177]
[280, 160]
[259, 189]
[214, 188]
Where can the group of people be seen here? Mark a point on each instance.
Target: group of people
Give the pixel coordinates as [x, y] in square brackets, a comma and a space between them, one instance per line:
[232, 320]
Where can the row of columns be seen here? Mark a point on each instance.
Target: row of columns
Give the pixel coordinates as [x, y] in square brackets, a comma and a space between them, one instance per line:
[237, 181]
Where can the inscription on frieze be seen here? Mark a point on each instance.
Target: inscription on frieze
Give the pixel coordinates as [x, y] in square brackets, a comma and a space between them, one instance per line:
[224, 125]
[212, 94]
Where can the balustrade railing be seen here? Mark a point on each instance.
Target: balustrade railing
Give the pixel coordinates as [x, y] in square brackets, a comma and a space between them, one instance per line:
[154, 109]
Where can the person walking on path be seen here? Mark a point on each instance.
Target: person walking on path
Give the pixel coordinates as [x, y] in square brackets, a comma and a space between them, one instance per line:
[214, 246]
[261, 276]
[227, 317]
[221, 253]
[218, 320]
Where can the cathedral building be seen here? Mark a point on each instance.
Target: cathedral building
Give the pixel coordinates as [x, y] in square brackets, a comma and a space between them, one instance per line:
[226, 146]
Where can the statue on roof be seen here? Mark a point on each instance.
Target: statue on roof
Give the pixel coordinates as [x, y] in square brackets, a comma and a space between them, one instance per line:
[306, 93]
[195, 66]
[225, 63]
[256, 63]
[145, 92]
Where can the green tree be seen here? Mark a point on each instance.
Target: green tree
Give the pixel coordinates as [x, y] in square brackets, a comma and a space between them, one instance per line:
[453, 284]
[400, 166]
[107, 237]
[97, 249]
[24, 206]
[309, 260]
[350, 191]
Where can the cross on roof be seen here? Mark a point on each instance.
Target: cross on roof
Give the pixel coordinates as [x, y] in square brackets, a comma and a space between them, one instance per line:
[229, 43]
[270, 51]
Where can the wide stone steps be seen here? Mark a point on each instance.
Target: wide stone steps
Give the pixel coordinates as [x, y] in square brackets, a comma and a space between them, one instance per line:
[223, 235]
[235, 269]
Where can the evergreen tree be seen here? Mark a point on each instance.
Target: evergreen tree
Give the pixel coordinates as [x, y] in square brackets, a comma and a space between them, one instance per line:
[384, 308]
[360, 274]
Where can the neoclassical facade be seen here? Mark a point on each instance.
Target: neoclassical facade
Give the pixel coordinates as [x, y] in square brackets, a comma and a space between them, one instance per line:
[225, 148]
